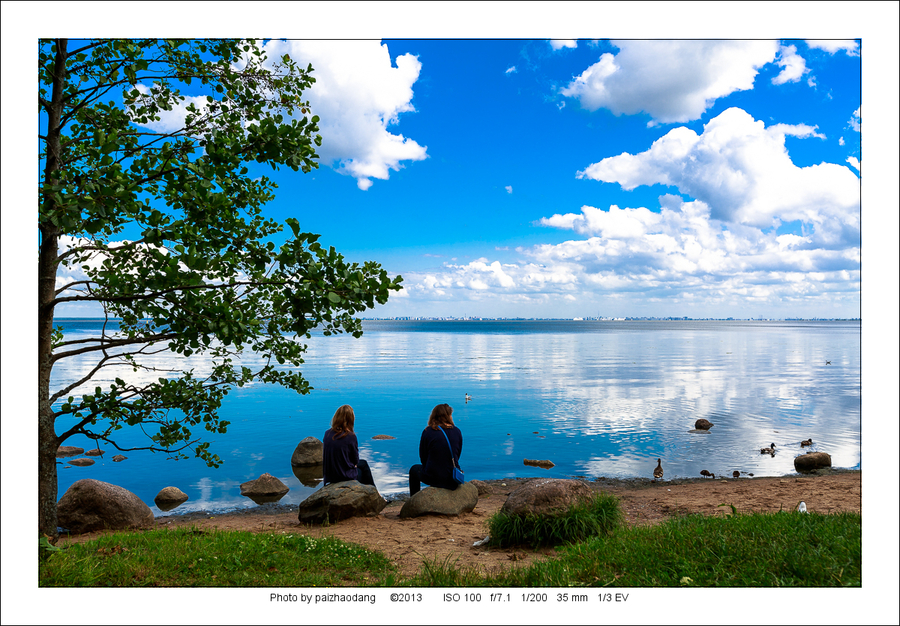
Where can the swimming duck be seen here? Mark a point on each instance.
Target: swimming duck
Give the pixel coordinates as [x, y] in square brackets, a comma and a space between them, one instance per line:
[769, 450]
[808, 442]
[658, 472]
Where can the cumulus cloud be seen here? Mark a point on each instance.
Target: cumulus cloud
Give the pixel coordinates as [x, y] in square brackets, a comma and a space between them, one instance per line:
[509, 189]
[833, 46]
[358, 95]
[794, 66]
[559, 44]
[742, 171]
[511, 70]
[673, 81]
[854, 162]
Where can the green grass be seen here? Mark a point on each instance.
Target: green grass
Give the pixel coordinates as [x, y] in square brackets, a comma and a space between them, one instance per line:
[599, 517]
[198, 558]
[751, 550]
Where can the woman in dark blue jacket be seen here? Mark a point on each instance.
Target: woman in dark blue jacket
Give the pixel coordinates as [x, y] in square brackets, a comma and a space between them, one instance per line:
[340, 453]
[436, 468]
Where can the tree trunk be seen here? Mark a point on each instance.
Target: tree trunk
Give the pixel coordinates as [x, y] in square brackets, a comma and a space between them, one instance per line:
[48, 264]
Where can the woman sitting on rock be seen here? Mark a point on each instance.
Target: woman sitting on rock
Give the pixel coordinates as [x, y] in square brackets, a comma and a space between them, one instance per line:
[436, 468]
[340, 454]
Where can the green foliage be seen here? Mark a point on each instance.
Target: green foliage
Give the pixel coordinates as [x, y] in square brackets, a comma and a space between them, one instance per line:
[165, 219]
[600, 516]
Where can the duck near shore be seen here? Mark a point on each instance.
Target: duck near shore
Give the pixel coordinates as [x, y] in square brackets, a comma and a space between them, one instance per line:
[658, 472]
[806, 442]
[769, 450]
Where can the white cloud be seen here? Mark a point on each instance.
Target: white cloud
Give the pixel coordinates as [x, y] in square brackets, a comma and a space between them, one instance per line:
[743, 172]
[832, 46]
[679, 254]
[854, 162]
[511, 70]
[559, 44]
[841, 141]
[794, 66]
[673, 81]
[358, 95]
[509, 189]
[855, 120]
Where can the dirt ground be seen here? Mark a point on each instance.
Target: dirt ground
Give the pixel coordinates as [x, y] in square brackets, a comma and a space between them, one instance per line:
[410, 542]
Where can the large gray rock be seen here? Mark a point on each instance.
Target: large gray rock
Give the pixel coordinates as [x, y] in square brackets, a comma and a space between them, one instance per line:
[547, 496]
[812, 461]
[90, 505]
[441, 501]
[339, 501]
[169, 497]
[308, 452]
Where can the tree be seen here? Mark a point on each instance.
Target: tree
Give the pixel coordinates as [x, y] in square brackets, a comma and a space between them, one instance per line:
[165, 221]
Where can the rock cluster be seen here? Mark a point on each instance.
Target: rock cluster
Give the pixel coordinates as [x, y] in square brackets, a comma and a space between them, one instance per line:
[441, 501]
[90, 505]
[339, 501]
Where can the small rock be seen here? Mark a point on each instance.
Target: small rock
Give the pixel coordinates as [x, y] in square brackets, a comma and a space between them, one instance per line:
[64, 451]
[265, 485]
[545, 464]
[703, 424]
[94, 452]
[812, 461]
[170, 497]
[383, 437]
[119, 457]
[484, 489]
[308, 452]
[81, 462]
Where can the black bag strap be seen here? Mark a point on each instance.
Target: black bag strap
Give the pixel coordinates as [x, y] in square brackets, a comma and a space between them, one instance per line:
[455, 464]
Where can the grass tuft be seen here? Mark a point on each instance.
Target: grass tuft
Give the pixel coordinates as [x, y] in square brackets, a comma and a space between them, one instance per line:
[598, 517]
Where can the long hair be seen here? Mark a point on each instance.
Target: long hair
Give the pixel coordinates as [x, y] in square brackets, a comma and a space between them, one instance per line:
[342, 422]
[441, 415]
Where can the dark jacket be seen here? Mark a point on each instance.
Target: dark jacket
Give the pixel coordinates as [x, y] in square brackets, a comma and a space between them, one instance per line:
[339, 457]
[437, 465]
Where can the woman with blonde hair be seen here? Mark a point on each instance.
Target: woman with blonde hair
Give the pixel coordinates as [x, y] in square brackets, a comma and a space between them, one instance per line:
[340, 454]
[437, 457]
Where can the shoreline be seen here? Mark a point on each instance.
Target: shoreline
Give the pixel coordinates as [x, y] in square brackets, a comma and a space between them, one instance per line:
[600, 483]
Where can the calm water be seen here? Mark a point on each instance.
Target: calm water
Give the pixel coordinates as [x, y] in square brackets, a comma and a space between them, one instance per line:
[595, 398]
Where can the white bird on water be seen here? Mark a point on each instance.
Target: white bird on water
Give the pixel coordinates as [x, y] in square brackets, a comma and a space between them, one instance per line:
[468, 397]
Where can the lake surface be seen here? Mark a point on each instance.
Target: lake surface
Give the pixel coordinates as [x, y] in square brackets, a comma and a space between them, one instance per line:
[595, 398]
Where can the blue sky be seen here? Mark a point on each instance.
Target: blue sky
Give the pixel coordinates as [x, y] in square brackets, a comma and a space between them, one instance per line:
[583, 178]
